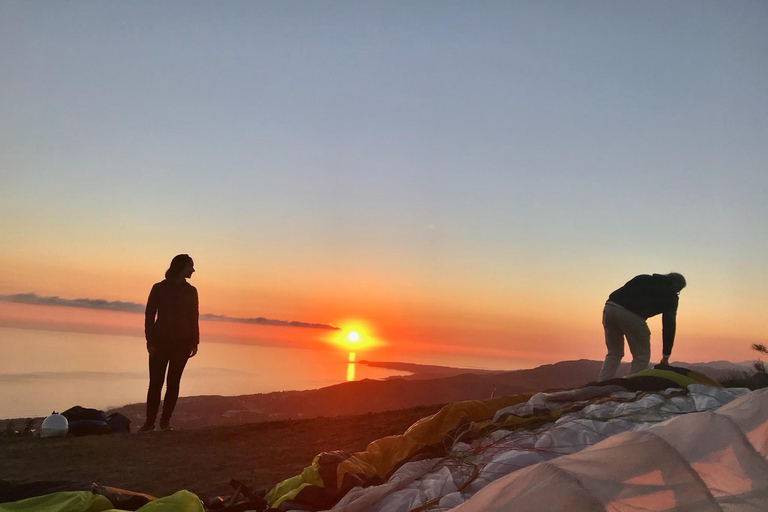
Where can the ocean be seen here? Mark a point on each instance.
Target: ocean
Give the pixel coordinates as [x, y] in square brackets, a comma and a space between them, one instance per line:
[43, 371]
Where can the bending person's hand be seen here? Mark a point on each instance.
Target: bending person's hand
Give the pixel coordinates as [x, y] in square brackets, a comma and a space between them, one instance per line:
[192, 352]
[665, 361]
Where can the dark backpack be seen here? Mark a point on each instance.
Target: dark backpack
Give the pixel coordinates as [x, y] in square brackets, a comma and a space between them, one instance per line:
[85, 422]
[119, 423]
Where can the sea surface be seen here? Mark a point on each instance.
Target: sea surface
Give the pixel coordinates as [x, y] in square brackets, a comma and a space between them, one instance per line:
[43, 371]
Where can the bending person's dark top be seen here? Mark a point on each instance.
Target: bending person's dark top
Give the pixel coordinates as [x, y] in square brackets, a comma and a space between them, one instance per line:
[649, 295]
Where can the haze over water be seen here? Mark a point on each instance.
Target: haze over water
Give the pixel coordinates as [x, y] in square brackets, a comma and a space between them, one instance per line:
[42, 371]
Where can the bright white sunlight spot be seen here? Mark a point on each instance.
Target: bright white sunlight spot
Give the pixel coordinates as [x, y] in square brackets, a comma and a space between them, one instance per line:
[354, 334]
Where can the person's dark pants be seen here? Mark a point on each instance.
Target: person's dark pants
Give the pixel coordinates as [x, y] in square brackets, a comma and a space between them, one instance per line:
[174, 360]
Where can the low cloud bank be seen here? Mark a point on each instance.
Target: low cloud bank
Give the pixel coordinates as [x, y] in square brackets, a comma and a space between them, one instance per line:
[265, 321]
[133, 307]
[39, 300]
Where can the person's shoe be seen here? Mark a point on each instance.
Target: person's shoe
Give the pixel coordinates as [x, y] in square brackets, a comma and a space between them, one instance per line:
[147, 427]
[165, 426]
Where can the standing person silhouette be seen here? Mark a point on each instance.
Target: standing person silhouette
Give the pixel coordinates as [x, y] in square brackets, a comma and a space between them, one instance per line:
[172, 332]
[626, 312]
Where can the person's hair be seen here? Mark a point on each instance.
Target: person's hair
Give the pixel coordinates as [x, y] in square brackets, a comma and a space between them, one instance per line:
[178, 264]
[678, 281]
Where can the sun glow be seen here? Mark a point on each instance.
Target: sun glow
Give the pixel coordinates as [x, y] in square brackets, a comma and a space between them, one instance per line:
[354, 335]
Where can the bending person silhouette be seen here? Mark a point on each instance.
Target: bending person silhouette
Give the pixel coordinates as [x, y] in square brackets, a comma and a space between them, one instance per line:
[172, 332]
[626, 312]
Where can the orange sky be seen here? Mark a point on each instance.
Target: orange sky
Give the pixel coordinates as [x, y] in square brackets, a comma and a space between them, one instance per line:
[464, 188]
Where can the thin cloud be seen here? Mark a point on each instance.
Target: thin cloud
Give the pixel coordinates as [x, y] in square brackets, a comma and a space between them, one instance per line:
[39, 300]
[134, 307]
[265, 321]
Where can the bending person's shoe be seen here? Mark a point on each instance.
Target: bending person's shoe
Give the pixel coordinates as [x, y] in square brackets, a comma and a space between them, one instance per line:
[165, 426]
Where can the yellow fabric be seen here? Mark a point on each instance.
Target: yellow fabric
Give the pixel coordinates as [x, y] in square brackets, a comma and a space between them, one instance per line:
[382, 455]
[433, 428]
[181, 501]
[379, 458]
[66, 501]
[703, 379]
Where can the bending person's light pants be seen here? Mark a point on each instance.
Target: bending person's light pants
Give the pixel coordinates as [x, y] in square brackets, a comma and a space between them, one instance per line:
[618, 323]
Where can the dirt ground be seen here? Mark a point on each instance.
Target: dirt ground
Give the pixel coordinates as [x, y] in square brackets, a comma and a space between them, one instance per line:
[200, 460]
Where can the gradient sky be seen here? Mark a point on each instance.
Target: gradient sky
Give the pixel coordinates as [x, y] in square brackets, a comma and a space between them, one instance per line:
[466, 177]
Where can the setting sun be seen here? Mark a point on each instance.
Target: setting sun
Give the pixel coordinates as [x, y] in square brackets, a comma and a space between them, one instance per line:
[354, 335]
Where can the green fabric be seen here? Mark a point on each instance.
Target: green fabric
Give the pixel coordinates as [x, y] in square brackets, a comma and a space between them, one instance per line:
[289, 494]
[181, 501]
[683, 380]
[67, 501]
[291, 487]
[86, 501]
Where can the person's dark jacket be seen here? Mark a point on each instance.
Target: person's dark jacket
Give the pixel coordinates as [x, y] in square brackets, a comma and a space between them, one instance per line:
[647, 296]
[171, 317]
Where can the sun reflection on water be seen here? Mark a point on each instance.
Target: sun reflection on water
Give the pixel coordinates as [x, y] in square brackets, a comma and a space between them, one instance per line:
[351, 367]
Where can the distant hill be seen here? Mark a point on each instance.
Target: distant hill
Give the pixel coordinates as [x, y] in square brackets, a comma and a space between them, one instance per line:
[719, 370]
[425, 371]
[368, 396]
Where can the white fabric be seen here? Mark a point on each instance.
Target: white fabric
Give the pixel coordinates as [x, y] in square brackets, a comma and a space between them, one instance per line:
[621, 454]
[711, 461]
[359, 498]
[543, 401]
